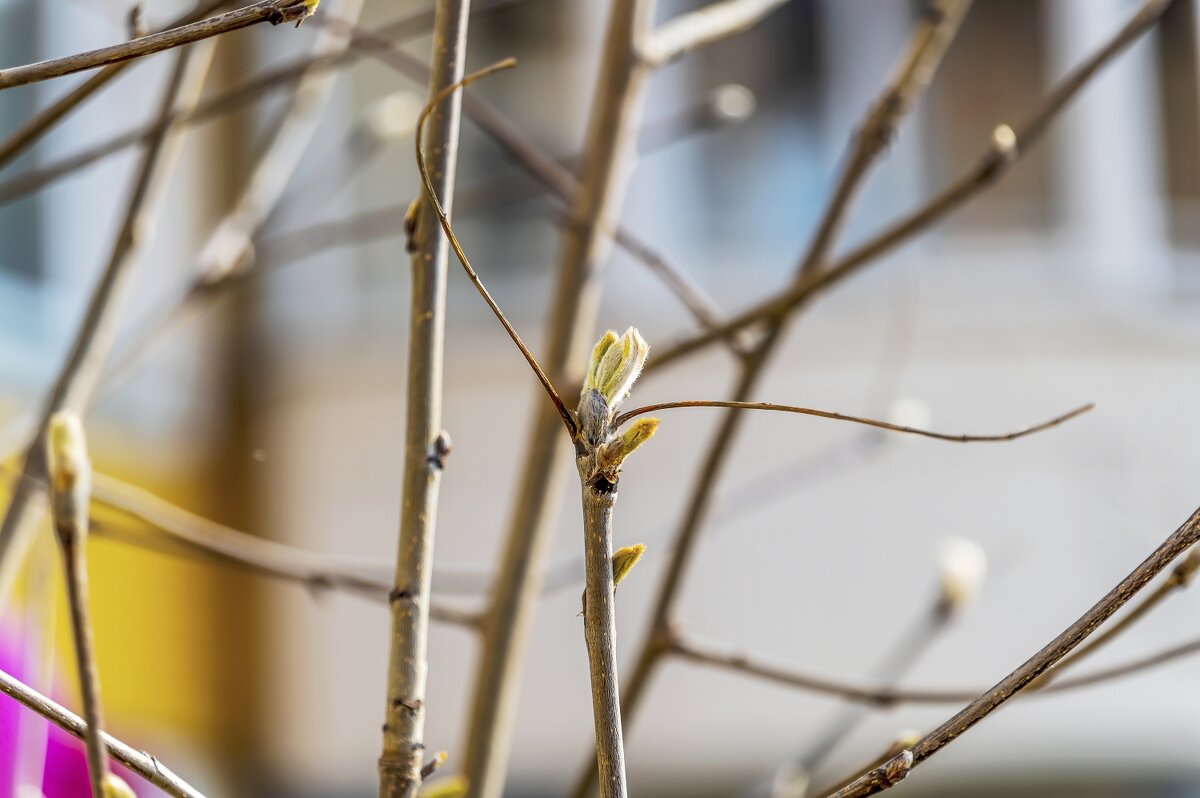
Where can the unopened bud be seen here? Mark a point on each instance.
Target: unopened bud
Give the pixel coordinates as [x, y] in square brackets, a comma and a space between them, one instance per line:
[624, 559]
[66, 448]
[615, 365]
[113, 786]
[452, 787]
[962, 568]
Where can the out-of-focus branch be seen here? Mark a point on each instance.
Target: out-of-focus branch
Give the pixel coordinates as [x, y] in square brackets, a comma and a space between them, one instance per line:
[273, 11]
[80, 372]
[30, 131]
[1062, 645]
[426, 444]
[711, 23]
[1005, 148]
[148, 767]
[929, 41]
[882, 696]
[225, 102]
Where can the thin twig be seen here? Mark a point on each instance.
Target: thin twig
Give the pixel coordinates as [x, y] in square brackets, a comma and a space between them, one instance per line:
[30, 131]
[224, 102]
[70, 495]
[472, 275]
[881, 696]
[1005, 148]
[148, 767]
[711, 23]
[807, 411]
[1062, 645]
[80, 372]
[273, 11]
[924, 52]
[426, 444]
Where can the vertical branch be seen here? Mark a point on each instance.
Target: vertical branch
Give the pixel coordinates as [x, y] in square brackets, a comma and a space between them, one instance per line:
[80, 373]
[426, 445]
[616, 106]
[600, 631]
[70, 488]
[926, 48]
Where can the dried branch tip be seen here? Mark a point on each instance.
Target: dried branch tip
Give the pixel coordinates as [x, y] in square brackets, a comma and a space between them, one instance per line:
[962, 568]
[452, 787]
[66, 448]
[113, 786]
[615, 365]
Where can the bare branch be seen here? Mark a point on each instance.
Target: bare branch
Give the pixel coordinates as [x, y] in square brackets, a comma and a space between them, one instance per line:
[807, 411]
[273, 11]
[1178, 542]
[148, 767]
[883, 696]
[426, 444]
[24, 137]
[472, 275]
[714, 22]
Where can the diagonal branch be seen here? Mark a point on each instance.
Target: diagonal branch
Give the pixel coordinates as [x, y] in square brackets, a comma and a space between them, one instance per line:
[807, 411]
[1178, 542]
[148, 767]
[929, 41]
[567, 418]
[273, 11]
[29, 132]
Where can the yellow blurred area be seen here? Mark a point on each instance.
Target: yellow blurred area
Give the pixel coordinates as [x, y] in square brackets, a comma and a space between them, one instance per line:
[171, 633]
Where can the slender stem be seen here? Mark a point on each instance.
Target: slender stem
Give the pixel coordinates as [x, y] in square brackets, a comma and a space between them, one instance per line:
[30, 131]
[891, 668]
[1006, 147]
[223, 102]
[148, 767]
[80, 373]
[600, 630]
[807, 411]
[199, 535]
[880, 695]
[444, 221]
[1062, 645]
[426, 444]
[594, 206]
[70, 495]
[708, 24]
[273, 11]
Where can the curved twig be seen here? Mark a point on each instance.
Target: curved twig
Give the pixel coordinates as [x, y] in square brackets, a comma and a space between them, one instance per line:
[808, 411]
[508, 63]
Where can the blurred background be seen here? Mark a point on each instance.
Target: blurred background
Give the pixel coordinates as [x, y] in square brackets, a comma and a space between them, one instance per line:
[279, 408]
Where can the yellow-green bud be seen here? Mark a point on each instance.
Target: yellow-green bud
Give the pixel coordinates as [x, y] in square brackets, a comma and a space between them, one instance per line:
[614, 452]
[452, 787]
[623, 560]
[615, 365]
[113, 786]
